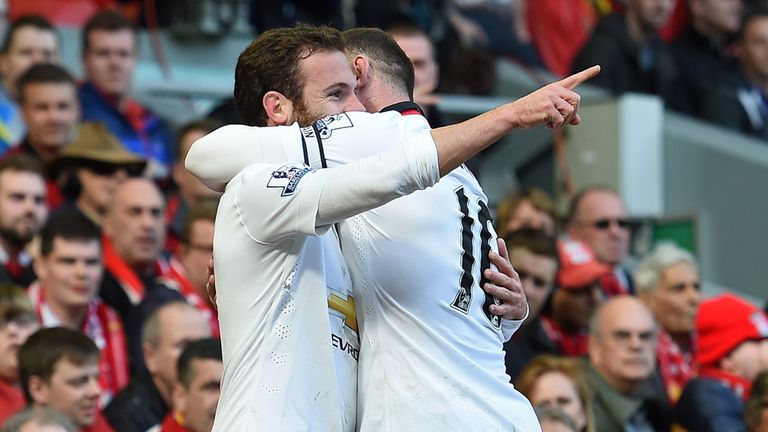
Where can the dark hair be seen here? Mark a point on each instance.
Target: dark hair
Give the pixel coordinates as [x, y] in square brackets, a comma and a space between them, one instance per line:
[108, 20]
[534, 240]
[573, 209]
[271, 63]
[35, 21]
[203, 349]
[23, 163]
[43, 73]
[206, 210]
[386, 57]
[206, 125]
[40, 353]
[69, 224]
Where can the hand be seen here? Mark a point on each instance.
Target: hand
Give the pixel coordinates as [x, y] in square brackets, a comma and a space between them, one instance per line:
[555, 105]
[210, 284]
[505, 285]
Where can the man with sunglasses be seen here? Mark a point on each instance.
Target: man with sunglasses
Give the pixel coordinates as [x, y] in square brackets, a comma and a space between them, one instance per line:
[92, 168]
[598, 218]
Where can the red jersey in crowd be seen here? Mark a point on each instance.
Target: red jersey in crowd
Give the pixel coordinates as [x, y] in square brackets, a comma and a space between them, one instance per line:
[572, 345]
[675, 365]
[104, 328]
[11, 400]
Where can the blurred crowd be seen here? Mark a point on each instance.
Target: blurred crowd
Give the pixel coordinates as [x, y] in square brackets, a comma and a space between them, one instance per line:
[105, 238]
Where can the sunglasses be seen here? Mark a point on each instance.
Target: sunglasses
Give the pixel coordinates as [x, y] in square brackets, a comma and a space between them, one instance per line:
[604, 224]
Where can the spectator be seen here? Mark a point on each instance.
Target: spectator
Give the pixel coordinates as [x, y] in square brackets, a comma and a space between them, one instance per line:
[49, 106]
[197, 389]
[526, 208]
[69, 270]
[633, 57]
[559, 29]
[620, 371]
[60, 370]
[575, 300]
[29, 40]
[733, 350]
[191, 267]
[495, 25]
[147, 399]
[109, 57]
[137, 277]
[23, 212]
[756, 410]
[743, 103]
[597, 217]
[419, 49]
[533, 254]
[556, 382]
[39, 420]
[667, 281]
[702, 50]
[92, 167]
[191, 191]
[17, 322]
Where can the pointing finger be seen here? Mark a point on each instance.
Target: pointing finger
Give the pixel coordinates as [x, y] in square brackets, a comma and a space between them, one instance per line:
[578, 78]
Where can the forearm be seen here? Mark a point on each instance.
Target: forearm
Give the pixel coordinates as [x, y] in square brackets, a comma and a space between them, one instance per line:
[371, 182]
[459, 142]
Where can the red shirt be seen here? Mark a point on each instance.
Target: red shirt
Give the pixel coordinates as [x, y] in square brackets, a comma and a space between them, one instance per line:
[104, 328]
[11, 400]
[170, 424]
[172, 278]
[569, 344]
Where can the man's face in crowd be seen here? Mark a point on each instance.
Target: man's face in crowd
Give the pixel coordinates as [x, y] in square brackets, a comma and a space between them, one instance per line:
[136, 222]
[30, 45]
[676, 298]
[50, 111]
[748, 359]
[110, 59]
[623, 350]
[653, 14]
[555, 389]
[98, 186]
[537, 274]
[329, 87]
[73, 390]
[13, 333]
[23, 209]
[720, 15]
[753, 49]
[198, 402]
[196, 253]
[601, 224]
[178, 327]
[572, 308]
[191, 188]
[419, 50]
[70, 274]
[528, 216]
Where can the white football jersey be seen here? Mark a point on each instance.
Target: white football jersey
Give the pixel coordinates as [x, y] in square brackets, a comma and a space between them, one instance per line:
[287, 315]
[274, 276]
[431, 355]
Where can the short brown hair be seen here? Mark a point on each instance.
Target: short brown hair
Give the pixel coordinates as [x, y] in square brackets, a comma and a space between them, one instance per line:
[40, 353]
[34, 21]
[534, 241]
[206, 125]
[539, 199]
[107, 20]
[572, 368]
[43, 73]
[14, 303]
[22, 163]
[206, 210]
[386, 57]
[271, 63]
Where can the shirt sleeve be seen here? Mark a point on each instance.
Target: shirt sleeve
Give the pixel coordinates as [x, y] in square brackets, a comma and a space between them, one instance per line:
[276, 201]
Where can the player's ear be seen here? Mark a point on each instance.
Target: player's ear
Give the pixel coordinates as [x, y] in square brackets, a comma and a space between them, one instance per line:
[362, 67]
[278, 108]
